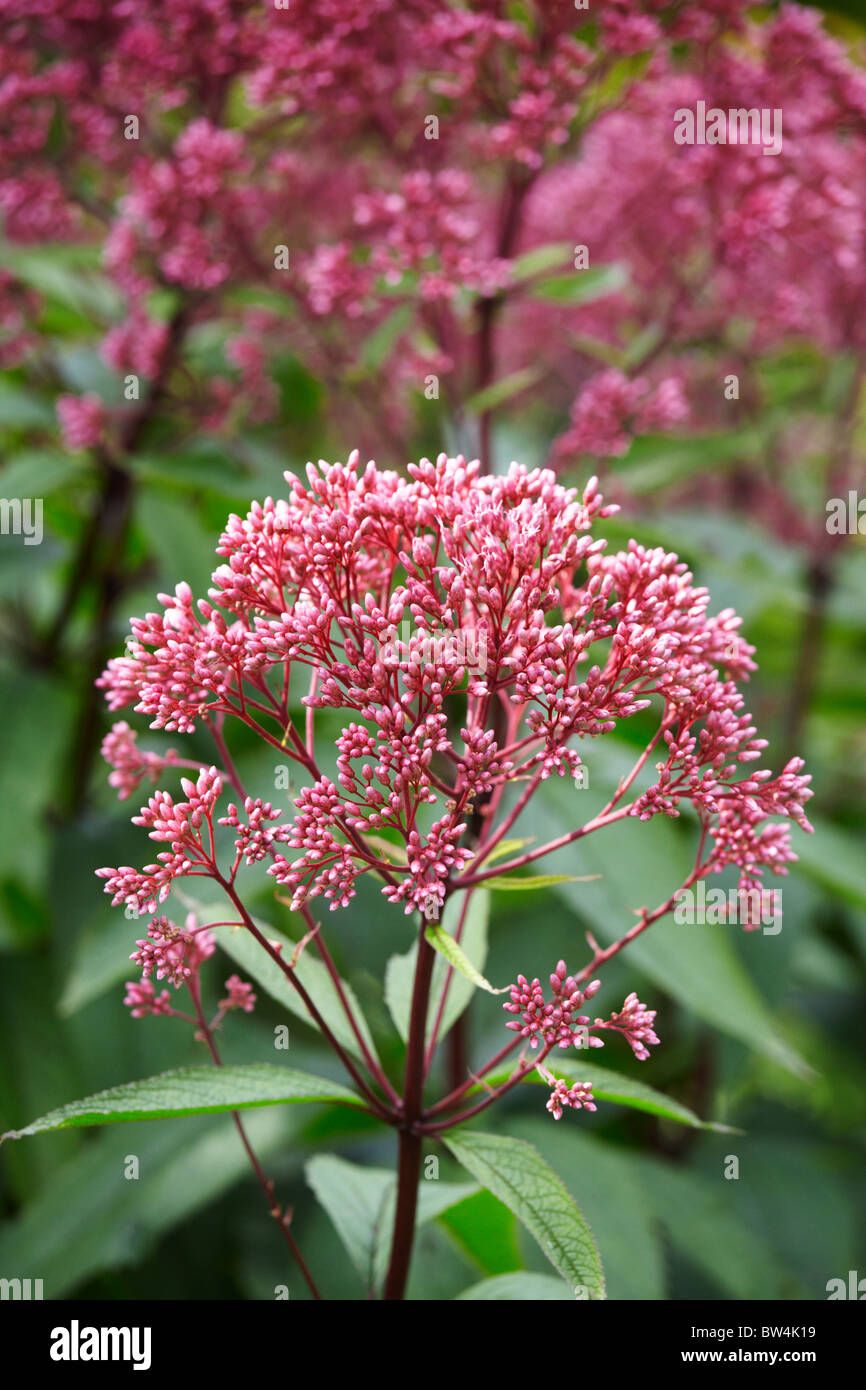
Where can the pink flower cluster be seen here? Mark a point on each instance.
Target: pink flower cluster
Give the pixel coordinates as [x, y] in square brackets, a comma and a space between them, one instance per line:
[173, 953]
[556, 1023]
[131, 764]
[577, 1096]
[176, 954]
[436, 143]
[321, 584]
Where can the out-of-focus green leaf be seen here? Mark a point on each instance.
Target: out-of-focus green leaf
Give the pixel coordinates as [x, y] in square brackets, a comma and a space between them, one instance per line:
[503, 390]
[540, 259]
[834, 858]
[21, 407]
[360, 1203]
[381, 342]
[582, 286]
[520, 1288]
[702, 1222]
[92, 1217]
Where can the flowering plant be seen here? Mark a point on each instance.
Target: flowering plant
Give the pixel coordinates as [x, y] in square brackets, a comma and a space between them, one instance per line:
[435, 763]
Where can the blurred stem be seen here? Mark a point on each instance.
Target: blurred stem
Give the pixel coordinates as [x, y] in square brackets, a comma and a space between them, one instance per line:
[409, 1163]
[818, 587]
[489, 308]
[101, 557]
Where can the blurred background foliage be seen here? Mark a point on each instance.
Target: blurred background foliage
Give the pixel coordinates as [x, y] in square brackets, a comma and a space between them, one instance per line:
[762, 1033]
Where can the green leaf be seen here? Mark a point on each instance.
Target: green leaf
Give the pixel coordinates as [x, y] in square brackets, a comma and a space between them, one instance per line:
[400, 971]
[622, 1090]
[539, 259]
[697, 965]
[508, 847]
[656, 461]
[312, 974]
[516, 1173]
[88, 1219]
[354, 1198]
[834, 859]
[703, 1223]
[380, 344]
[509, 883]
[192, 1091]
[23, 408]
[457, 957]
[38, 472]
[66, 274]
[520, 1287]
[486, 1232]
[503, 390]
[607, 1179]
[582, 286]
[360, 1203]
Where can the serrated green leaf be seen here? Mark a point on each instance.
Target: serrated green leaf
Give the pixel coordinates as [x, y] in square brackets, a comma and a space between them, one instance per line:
[516, 1173]
[192, 1091]
[606, 1177]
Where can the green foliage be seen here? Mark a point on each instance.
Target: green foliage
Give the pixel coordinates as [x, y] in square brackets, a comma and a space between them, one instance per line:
[517, 1174]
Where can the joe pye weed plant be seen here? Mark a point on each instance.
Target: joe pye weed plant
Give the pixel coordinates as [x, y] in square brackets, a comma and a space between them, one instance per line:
[435, 764]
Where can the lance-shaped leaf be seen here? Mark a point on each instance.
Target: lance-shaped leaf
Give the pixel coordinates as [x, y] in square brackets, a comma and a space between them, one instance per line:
[515, 883]
[457, 957]
[400, 971]
[582, 286]
[515, 1172]
[192, 1091]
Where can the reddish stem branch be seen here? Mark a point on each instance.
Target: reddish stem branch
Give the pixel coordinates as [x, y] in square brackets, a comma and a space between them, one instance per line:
[264, 1182]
